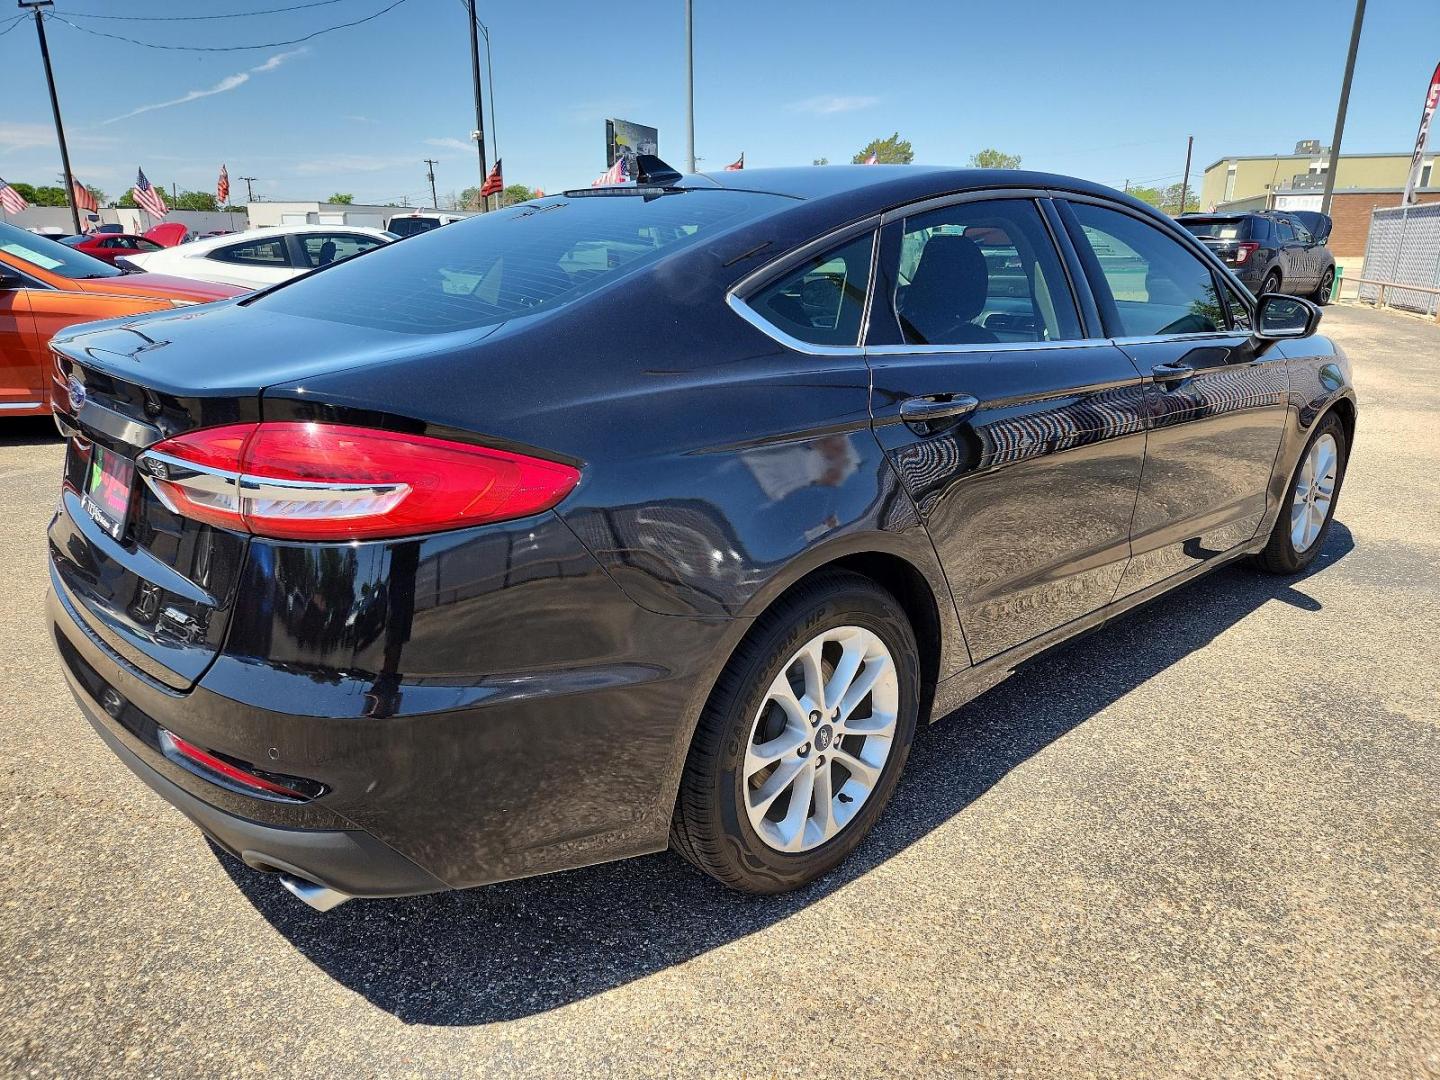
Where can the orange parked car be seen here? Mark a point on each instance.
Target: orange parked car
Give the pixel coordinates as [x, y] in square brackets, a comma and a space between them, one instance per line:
[45, 287]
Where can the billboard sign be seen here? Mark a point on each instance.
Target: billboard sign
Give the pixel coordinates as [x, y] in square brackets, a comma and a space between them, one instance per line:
[627, 139]
[1432, 99]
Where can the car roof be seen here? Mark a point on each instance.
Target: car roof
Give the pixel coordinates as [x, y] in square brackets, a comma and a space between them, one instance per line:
[883, 185]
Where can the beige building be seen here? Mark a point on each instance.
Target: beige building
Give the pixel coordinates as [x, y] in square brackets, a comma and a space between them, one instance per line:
[1251, 180]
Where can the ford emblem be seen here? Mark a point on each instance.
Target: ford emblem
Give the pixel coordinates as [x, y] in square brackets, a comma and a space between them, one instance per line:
[77, 394]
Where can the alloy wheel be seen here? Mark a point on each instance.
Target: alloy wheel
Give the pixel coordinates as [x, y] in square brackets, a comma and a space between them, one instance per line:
[1314, 491]
[1326, 284]
[820, 739]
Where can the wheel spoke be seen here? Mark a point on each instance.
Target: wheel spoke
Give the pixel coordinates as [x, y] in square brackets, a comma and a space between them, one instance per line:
[787, 742]
[783, 695]
[860, 688]
[1317, 521]
[792, 825]
[809, 659]
[878, 724]
[824, 817]
[851, 658]
[1298, 514]
[775, 785]
[862, 772]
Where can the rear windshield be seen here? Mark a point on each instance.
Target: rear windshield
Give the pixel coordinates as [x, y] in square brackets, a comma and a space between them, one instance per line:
[412, 226]
[1220, 228]
[520, 261]
[48, 255]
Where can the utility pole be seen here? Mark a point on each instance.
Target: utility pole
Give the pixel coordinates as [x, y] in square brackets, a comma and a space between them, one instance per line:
[434, 200]
[1185, 183]
[479, 133]
[1344, 104]
[249, 191]
[690, 84]
[35, 6]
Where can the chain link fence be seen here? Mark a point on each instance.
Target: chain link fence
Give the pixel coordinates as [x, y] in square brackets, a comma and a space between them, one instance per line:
[1404, 248]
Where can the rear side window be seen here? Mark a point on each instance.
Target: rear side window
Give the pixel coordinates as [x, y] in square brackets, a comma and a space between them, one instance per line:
[267, 252]
[1159, 288]
[1220, 228]
[524, 260]
[982, 273]
[822, 301]
[1285, 230]
[412, 226]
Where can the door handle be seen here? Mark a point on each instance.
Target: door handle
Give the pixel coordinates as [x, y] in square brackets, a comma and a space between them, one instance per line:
[1172, 372]
[928, 410]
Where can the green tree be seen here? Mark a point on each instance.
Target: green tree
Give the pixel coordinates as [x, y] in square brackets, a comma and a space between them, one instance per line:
[891, 151]
[820, 161]
[516, 193]
[1154, 196]
[470, 199]
[195, 200]
[127, 201]
[344, 198]
[47, 195]
[1170, 201]
[990, 158]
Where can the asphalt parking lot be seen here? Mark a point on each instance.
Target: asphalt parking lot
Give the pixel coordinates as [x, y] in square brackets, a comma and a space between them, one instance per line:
[1204, 841]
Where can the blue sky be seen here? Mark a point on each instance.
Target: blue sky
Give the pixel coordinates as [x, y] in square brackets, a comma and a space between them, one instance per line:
[1100, 90]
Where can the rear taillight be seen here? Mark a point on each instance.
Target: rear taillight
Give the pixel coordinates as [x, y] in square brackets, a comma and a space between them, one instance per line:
[1244, 250]
[314, 481]
[252, 780]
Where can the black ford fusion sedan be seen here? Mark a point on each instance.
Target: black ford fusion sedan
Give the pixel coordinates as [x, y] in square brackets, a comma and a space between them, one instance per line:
[656, 515]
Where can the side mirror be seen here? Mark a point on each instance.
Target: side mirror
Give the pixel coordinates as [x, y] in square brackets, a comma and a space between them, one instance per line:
[1278, 317]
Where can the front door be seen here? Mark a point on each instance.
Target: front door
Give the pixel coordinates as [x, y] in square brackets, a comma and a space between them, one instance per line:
[22, 373]
[1019, 437]
[1216, 398]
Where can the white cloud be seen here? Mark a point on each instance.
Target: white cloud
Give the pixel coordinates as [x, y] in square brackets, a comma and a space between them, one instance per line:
[827, 104]
[343, 163]
[17, 137]
[450, 144]
[230, 82]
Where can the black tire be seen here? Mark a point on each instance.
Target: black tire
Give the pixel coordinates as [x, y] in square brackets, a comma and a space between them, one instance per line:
[1321, 295]
[1280, 556]
[711, 826]
[1271, 284]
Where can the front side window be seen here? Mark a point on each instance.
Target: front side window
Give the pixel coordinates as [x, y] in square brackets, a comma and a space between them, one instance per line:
[1159, 288]
[822, 300]
[982, 273]
[267, 252]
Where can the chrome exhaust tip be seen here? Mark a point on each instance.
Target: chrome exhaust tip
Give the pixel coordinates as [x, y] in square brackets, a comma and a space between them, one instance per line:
[319, 897]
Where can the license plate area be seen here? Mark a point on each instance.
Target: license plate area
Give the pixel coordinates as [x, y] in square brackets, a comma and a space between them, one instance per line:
[108, 490]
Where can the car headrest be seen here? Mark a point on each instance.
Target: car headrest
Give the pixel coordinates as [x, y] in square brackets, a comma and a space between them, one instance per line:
[951, 281]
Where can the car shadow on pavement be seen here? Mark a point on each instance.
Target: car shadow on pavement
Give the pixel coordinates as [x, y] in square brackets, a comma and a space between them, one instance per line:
[30, 431]
[511, 950]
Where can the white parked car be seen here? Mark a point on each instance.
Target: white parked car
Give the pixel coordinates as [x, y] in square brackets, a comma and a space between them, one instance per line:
[261, 257]
[416, 222]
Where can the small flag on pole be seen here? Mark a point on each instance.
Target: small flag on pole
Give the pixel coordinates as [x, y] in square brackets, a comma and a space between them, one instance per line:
[83, 199]
[494, 183]
[736, 166]
[871, 160]
[222, 187]
[616, 174]
[149, 197]
[10, 199]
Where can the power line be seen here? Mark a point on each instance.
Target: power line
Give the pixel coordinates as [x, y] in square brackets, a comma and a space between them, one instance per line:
[14, 23]
[197, 18]
[223, 48]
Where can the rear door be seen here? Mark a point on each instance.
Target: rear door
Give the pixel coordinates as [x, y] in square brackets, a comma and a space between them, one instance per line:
[1293, 254]
[1015, 427]
[1216, 401]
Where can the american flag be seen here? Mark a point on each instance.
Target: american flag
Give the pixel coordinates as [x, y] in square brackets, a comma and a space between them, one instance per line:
[616, 174]
[222, 187]
[737, 165]
[494, 183]
[10, 199]
[83, 199]
[871, 160]
[149, 198]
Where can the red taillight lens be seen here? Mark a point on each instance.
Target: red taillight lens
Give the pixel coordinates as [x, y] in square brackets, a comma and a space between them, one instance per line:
[313, 481]
[1244, 250]
[176, 747]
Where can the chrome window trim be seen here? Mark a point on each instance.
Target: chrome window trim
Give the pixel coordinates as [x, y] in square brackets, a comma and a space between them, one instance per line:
[981, 195]
[997, 347]
[738, 294]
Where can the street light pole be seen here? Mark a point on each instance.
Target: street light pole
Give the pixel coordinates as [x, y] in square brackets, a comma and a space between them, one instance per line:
[1185, 183]
[249, 191]
[690, 84]
[35, 6]
[1344, 104]
[479, 132]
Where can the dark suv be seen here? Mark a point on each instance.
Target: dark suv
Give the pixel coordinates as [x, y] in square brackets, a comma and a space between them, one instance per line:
[1272, 251]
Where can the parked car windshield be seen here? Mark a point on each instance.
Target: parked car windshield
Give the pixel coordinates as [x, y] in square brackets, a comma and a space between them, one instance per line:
[515, 262]
[46, 254]
[1218, 228]
[412, 226]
